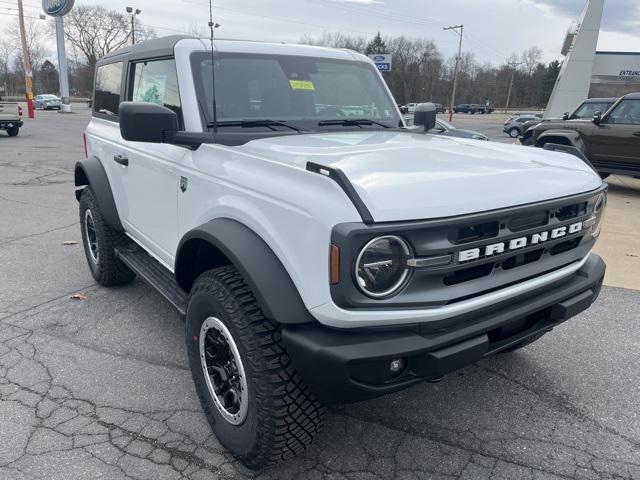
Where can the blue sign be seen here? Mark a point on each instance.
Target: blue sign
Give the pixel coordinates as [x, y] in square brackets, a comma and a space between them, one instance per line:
[382, 61]
[57, 8]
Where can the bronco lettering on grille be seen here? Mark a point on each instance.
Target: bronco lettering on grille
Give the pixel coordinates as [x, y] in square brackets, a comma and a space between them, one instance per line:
[518, 243]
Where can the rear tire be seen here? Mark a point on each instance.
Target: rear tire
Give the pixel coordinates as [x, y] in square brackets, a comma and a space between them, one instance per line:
[100, 240]
[277, 416]
[13, 132]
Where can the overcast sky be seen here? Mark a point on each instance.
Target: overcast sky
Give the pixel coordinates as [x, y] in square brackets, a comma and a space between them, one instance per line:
[493, 28]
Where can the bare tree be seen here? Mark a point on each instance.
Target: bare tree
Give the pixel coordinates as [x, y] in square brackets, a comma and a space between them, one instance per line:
[94, 31]
[197, 29]
[530, 58]
[337, 40]
[420, 73]
[36, 34]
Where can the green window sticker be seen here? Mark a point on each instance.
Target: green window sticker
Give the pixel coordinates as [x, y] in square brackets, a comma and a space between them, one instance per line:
[302, 84]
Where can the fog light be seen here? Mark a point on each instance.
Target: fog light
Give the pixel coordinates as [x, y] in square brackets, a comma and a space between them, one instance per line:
[397, 366]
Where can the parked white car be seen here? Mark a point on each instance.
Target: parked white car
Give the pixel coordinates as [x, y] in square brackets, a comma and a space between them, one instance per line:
[48, 102]
[411, 107]
[319, 258]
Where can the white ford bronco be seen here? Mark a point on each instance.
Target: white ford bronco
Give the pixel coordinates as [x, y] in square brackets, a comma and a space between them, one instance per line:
[319, 251]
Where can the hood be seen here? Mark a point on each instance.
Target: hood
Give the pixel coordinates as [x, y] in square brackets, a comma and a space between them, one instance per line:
[554, 123]
[463, 133]
[408, 176]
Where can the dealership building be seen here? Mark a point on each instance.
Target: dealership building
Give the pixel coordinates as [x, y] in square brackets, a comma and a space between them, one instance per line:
[614, 74]
[587, 73]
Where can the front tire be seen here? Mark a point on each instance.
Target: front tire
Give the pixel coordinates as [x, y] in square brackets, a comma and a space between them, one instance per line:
[256, 403]
[514, 132]
[100, 240]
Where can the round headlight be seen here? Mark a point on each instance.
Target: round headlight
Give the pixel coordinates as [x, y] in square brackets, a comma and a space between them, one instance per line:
[381, 267]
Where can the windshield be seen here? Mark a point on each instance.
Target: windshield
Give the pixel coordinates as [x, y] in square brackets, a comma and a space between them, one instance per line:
[586, 110]
[301, 91]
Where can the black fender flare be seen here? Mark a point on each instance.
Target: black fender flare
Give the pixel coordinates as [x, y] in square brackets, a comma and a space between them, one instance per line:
[268, 279]
[572, 136]
[90, 172]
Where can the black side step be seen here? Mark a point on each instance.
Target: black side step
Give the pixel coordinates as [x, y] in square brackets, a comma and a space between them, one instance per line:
[155, 274]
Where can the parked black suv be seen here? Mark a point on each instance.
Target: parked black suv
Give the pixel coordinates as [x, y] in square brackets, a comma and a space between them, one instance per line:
[610, 141]
[585, 110]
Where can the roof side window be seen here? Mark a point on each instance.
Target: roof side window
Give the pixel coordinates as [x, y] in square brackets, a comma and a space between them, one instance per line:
[156, 81]
[107, 89]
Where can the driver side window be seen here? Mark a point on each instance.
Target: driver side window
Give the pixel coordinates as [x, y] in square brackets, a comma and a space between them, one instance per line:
[156, 81]
[626, 113]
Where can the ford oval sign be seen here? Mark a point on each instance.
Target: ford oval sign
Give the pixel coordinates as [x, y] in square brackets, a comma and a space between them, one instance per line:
[57, 8]
[382, 61]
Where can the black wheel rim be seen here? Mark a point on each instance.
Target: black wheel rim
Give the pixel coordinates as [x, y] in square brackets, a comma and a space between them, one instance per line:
[91, 236]
[223, 371]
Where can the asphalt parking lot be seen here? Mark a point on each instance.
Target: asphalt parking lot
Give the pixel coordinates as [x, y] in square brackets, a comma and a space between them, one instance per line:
[99, 388]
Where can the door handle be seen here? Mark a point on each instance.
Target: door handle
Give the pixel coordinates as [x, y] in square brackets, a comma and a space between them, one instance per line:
[121, 159]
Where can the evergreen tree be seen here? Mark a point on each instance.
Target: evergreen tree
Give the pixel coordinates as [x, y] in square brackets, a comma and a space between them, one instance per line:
[376, 45]
[550, 77]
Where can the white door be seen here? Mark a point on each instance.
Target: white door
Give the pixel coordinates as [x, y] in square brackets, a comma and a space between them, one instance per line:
[151, 172]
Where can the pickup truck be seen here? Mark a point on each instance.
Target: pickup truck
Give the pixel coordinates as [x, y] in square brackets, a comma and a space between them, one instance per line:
[472, 108]
[10, 118]
[319, 257]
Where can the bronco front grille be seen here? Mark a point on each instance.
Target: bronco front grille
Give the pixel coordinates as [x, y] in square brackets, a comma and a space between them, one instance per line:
[481, 269]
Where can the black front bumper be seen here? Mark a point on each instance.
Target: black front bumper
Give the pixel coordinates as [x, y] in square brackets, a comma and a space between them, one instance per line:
[343, 366]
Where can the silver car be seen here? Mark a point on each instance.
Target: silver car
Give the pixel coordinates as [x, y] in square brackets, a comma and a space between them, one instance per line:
[513, 126]
[46, 102]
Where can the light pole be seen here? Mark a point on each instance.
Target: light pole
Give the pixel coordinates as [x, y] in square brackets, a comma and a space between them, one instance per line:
[458, 58]
[58, 9]
[133, 13]
[26, 62]
[513, 65]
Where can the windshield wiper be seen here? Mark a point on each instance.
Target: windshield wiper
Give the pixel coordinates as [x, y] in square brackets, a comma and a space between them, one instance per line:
[255, 123]
[352, 121]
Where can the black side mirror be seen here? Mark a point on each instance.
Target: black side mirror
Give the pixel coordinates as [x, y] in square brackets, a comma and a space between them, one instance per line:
[147, 122]
[597, 118]
[565, 116]
[425, 115]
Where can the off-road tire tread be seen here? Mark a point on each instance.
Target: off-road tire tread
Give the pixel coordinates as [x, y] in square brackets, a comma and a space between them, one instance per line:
[289, 414]
[111, 271]
[524, 343]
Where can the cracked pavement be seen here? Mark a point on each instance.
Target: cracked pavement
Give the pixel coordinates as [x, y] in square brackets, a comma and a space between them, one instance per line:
[100, 388]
